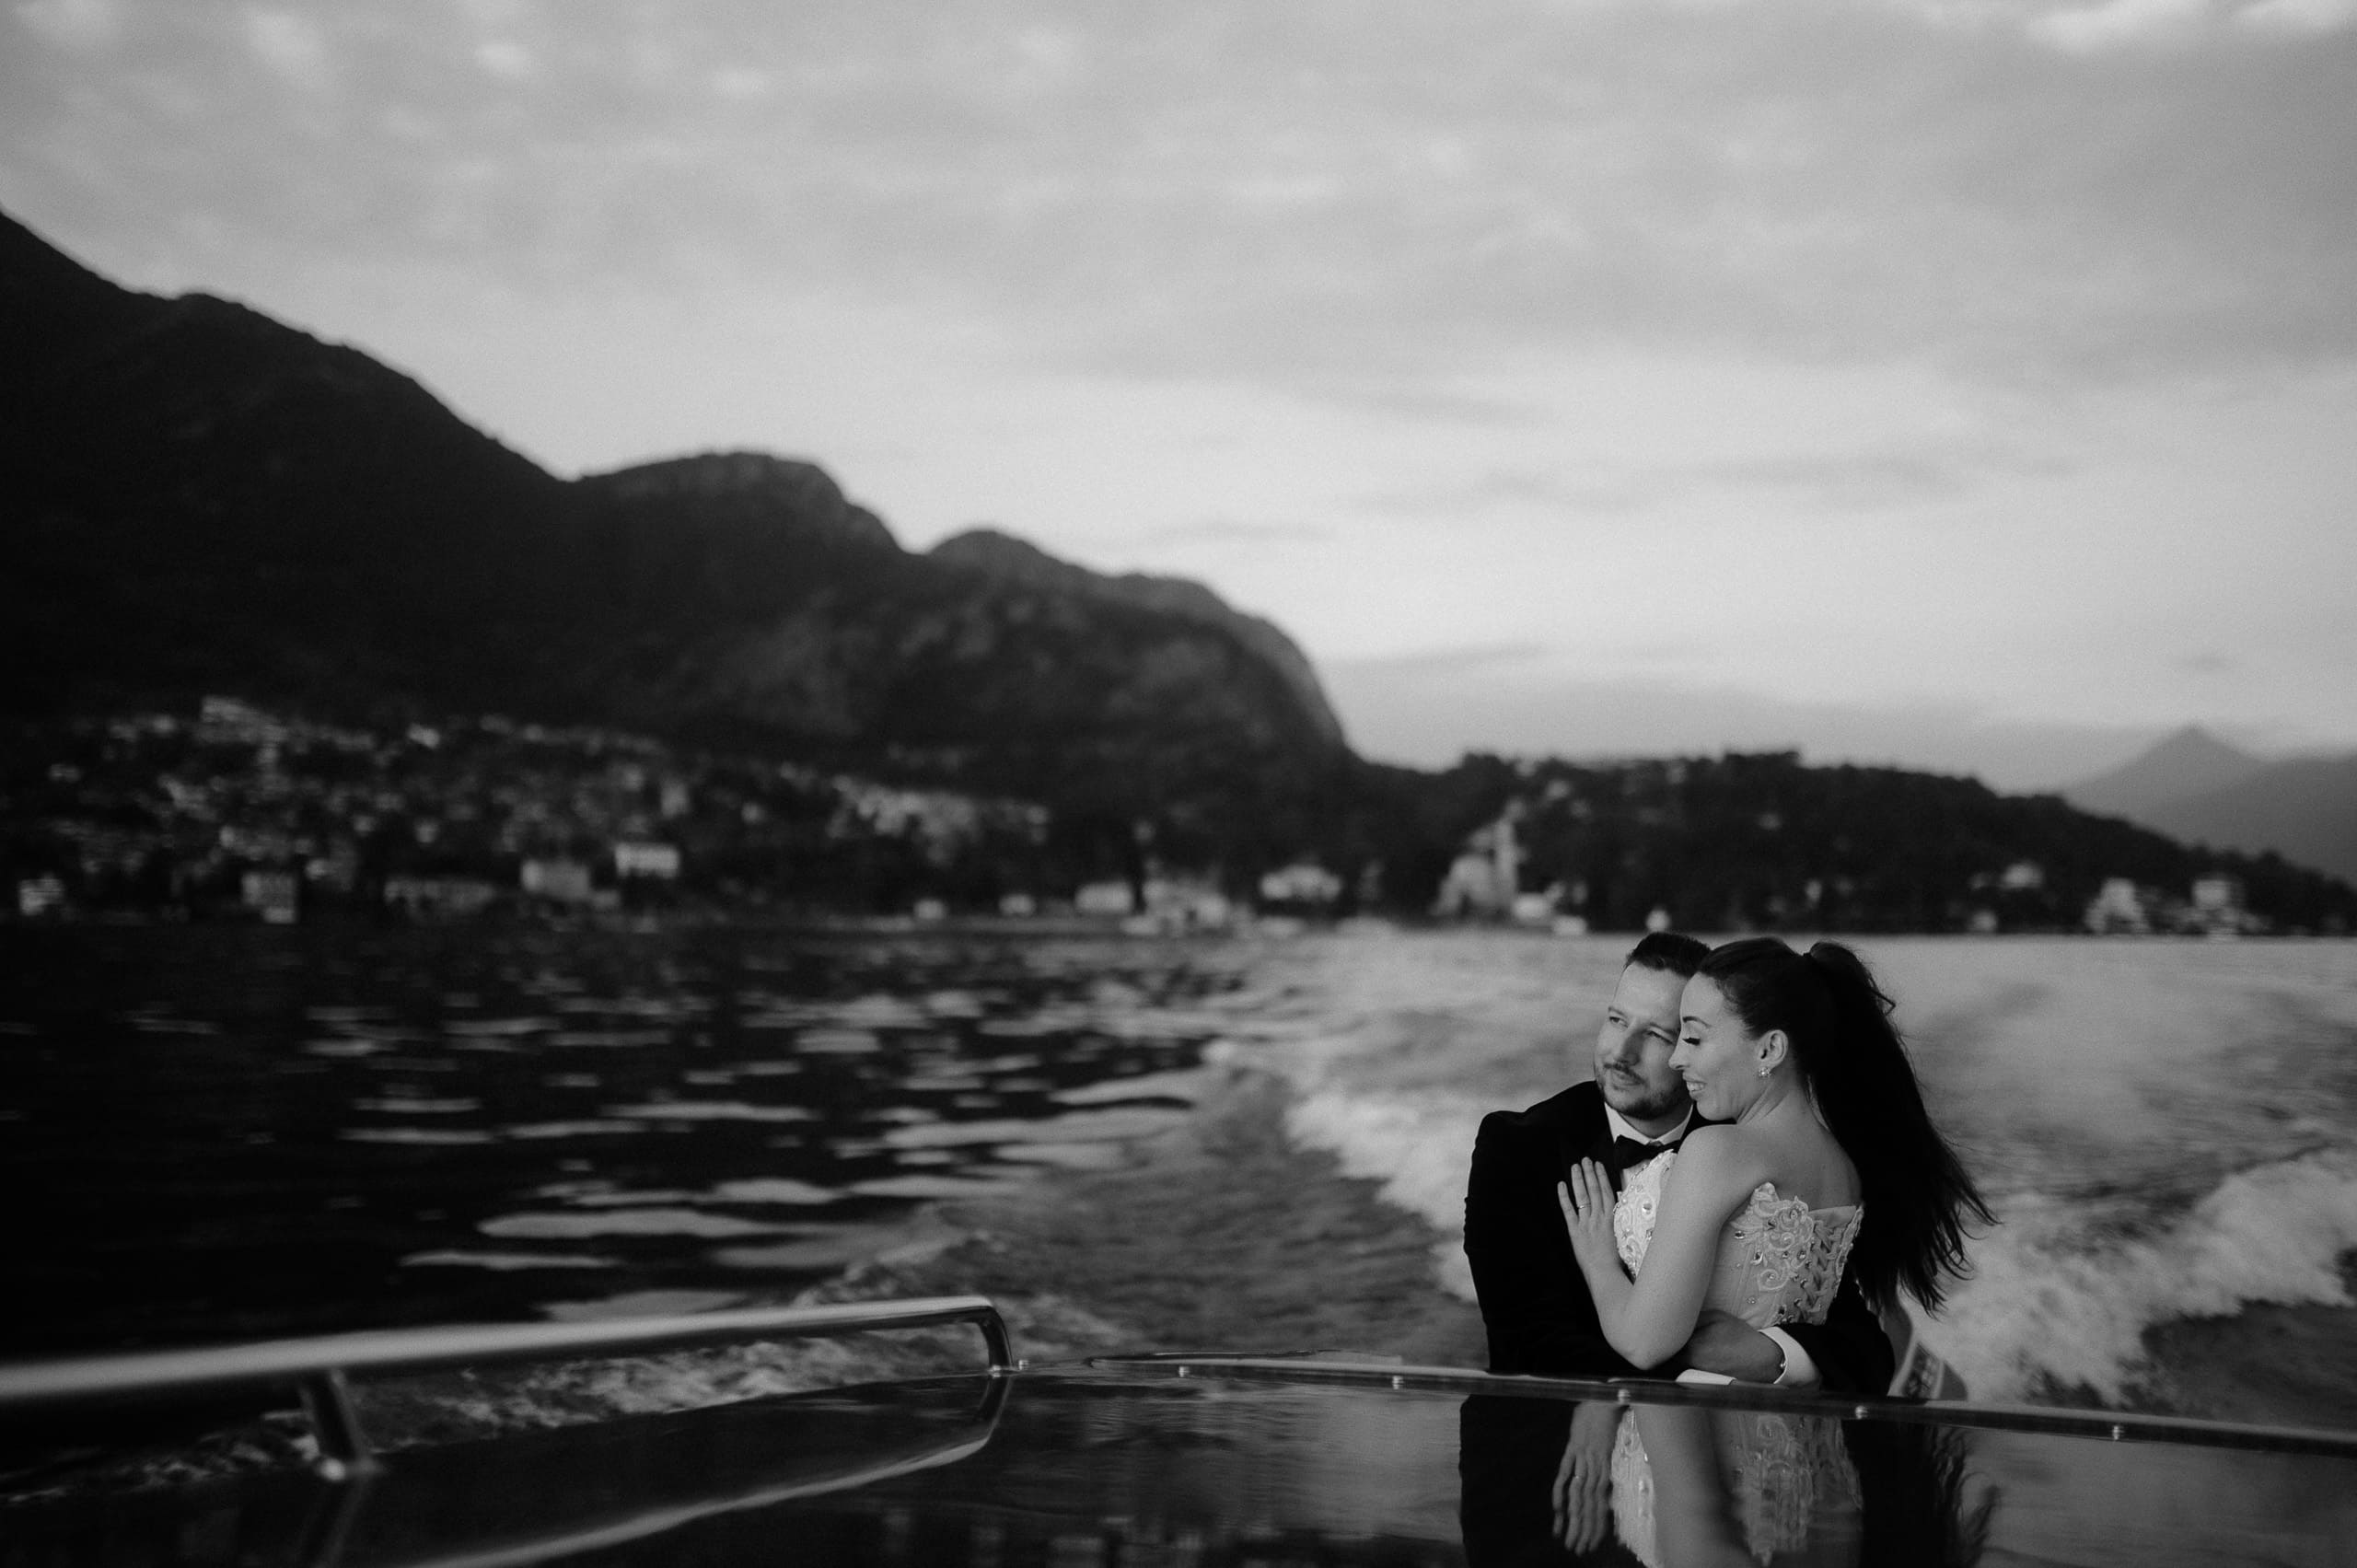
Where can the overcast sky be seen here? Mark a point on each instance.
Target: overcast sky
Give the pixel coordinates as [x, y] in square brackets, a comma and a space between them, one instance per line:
[1967, 383]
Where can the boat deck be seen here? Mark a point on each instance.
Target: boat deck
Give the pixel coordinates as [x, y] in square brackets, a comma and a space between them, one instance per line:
[1227, 1458]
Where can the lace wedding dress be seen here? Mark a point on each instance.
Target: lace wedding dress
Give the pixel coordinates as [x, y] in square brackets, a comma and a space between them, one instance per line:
[1788, 1479]
[1779, 1260]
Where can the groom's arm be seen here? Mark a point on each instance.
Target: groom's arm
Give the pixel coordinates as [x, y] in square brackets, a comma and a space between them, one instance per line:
[1852, 1353]
[1847, 1353]
[1534, 1303]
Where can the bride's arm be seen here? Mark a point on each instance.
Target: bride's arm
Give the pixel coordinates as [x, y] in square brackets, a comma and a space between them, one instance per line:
[1647, 1320]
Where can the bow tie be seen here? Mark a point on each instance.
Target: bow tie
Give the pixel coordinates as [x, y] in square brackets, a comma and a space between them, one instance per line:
[1629, 1152]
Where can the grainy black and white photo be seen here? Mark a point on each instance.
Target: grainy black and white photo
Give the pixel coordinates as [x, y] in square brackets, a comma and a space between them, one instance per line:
[1549, 782]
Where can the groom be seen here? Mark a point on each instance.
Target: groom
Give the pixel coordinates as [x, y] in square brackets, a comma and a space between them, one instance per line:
[1534, 1301]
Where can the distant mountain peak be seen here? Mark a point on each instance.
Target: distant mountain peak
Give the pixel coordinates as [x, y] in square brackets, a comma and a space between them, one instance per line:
[749, 486]
[995, 548]
[1002, 554]
[992, 550]
[2184, 763]
[739, 472]
[2192, 744]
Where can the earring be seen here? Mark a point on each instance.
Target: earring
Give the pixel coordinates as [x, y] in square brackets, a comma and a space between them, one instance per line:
[1763, 1069]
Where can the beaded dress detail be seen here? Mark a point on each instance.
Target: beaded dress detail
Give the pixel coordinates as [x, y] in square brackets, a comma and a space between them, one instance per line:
[1789, 1483]
[1779, 1260]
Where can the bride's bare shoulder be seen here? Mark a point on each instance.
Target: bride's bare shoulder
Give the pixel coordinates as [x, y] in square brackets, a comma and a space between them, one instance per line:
[1724, 1159]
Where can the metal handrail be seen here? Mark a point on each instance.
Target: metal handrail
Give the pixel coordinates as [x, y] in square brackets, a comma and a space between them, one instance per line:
[320, 1367]
[2115, 1426]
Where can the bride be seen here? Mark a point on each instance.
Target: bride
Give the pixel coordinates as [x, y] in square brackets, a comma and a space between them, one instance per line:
[1818, 1156]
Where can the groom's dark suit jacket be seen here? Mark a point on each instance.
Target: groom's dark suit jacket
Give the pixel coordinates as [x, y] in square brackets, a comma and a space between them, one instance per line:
[1534, 1301]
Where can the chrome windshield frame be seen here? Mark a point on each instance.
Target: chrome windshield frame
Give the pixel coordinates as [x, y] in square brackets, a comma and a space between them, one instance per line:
[320, 1368]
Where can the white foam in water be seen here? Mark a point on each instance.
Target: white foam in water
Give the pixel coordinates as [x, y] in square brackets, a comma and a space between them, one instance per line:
[771, 1190]
[1419, 1148]
[1183, 1084]
[837, 1041]
[712, 1111]
[541, 1226]
[591, 1128]
[422, 1135]
[2062, 1065]
[2044, 1300]
[503, 1262]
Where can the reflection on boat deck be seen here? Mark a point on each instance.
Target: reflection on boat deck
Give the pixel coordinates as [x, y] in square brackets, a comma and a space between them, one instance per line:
[534, 1498]
[1214, 1459]
[1548, 1481]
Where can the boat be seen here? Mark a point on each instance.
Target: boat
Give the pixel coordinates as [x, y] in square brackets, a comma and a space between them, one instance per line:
[1168, 1458]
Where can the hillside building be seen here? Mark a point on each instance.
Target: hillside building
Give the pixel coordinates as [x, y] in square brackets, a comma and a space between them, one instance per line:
[273, 894]
[640, 858]
[1303, 882]
[423, 897]
[2218, 907]
[1486, 876]
[2119, 907]
[559, 881]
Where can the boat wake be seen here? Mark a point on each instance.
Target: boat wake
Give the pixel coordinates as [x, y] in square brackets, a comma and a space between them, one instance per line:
[2064, 1293]
[2060, 1302]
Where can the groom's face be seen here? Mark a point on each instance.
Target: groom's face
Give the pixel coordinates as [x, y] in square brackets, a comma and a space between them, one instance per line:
[1632, 1046]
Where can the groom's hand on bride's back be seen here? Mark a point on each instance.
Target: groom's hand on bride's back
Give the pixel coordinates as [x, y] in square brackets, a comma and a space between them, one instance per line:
[1729, 1346]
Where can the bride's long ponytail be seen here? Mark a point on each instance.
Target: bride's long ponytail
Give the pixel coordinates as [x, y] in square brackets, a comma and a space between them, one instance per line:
[1917, 1194]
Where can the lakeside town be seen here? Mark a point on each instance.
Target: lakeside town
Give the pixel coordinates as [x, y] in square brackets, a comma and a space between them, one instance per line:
[238, 812]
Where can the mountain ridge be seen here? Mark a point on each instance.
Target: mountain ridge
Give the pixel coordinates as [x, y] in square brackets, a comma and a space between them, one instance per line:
[199, 498]
[2194, 786]
[2187, 762]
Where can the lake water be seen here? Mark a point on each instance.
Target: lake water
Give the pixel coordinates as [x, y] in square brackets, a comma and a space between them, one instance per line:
[224, 1133]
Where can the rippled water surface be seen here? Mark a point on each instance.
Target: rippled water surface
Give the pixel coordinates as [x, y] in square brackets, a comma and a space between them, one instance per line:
[224, 1133]
[220, 1132]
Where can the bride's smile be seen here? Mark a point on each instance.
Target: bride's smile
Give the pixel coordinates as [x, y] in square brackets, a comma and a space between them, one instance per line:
[1718, 1059]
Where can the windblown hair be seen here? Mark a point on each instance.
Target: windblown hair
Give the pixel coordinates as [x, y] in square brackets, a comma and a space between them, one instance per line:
[1916, 1191]
[1669, 952]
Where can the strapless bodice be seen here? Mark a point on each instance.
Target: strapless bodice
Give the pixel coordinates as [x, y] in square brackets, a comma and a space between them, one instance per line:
[1779, 1261]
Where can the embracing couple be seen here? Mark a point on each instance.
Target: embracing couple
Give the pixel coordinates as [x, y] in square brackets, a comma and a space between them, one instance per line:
[1751, 1175]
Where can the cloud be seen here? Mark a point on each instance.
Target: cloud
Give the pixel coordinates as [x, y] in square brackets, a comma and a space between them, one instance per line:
[1441, 664]
[1845, 481]
[82, 25]
[1874, 478]
[742, 83]
[293, 45]
[2299, 17]
[1428, 403]
[1431, 709]
[507, 59]
[1231, 531]
[2114, 23]
[1409, 200]
[1587, 492]
[2090, 27]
